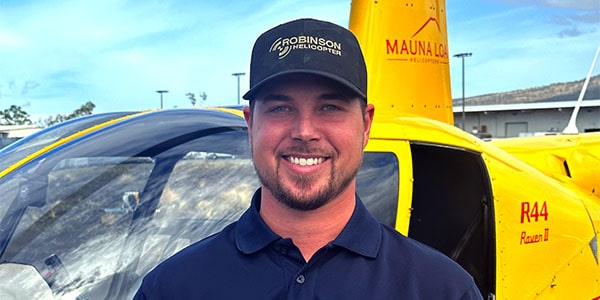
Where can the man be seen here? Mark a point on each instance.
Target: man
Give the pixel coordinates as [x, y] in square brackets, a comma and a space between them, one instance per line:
[307, 235]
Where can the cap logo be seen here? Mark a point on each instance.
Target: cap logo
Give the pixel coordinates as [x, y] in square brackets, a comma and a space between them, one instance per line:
[301, 42]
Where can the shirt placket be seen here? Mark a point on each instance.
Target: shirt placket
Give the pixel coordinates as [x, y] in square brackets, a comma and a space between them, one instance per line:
[304, 281]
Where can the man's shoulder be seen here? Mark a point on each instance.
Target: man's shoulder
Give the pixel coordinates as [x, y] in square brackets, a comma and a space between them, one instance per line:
[419, 256]
[212, 245]
[396, 239]
[201, 254]
[425, 267]
[214, 258]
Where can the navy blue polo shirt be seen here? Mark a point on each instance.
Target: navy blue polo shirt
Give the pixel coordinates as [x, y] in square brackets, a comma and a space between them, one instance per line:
[367, 260]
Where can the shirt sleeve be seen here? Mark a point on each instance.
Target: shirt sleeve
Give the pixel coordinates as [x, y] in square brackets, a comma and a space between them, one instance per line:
[145, 291]
[472, 293]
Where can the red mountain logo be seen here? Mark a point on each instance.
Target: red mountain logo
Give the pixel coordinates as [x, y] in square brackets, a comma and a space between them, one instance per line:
[431, 19]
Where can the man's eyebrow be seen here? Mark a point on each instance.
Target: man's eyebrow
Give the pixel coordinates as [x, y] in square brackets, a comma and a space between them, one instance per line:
[325, 96]
[335, 96]
[275, 97]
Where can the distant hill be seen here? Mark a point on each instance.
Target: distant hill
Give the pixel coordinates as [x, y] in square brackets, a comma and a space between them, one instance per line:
[554, 92]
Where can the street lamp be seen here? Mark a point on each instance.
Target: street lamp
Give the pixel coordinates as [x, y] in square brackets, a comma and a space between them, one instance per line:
[238, 84]
[161, 92]
[462, 56]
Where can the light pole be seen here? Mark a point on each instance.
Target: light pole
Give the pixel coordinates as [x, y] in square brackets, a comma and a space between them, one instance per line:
[161, 92]
[462, 56]
[238, 84]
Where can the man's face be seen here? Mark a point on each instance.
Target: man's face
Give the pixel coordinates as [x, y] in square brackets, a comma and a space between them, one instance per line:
[307, 136]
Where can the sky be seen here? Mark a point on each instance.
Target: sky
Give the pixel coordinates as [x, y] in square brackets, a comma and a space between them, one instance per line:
[57, 55]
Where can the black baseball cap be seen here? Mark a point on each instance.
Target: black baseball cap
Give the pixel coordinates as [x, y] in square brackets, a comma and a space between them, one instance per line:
[308, 46]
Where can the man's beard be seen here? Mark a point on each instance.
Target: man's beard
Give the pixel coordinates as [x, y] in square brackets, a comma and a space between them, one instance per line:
[337, 184]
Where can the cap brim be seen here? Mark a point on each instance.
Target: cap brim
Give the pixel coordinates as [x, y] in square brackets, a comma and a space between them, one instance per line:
[257, 87]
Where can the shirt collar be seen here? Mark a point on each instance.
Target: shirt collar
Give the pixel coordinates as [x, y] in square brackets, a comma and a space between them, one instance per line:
[361, 235]
[252, 233]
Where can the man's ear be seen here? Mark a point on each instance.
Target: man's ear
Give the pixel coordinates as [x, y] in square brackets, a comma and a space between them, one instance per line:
[248, 117]
[368, 121]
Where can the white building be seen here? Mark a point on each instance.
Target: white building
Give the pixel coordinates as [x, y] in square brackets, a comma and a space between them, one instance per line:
[512, 120]
[12, 133]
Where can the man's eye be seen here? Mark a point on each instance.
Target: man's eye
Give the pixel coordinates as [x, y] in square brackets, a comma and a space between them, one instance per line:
[279, 109]
[330, 107]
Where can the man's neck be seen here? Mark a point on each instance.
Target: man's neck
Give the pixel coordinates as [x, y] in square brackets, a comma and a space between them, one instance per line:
[309, 230]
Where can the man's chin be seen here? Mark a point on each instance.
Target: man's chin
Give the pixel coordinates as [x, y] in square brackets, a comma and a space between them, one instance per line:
[303, 204]
[301, 199]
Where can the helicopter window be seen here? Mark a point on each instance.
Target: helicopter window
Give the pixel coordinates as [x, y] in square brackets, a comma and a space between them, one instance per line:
[9, 190]
[88, 206]
[205, 192]
[208, 186]
[377, 185]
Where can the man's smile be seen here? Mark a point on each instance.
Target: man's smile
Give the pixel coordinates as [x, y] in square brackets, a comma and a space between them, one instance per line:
[302, 161]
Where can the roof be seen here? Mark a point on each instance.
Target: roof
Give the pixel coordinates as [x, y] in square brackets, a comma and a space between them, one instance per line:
[526, 106]
[18, 131]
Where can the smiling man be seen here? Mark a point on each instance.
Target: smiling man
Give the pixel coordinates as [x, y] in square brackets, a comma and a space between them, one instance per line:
[307, 135]
[307, 234]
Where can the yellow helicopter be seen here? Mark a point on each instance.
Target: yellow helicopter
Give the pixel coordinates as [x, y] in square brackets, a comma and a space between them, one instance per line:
[521, 215]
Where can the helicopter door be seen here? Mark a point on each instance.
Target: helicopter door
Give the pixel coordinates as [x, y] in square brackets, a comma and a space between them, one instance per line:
[452, 208]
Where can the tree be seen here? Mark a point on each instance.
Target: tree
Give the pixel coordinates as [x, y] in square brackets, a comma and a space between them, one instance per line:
[203, 96]
[192, 98]
[15, 115]
[84, 110]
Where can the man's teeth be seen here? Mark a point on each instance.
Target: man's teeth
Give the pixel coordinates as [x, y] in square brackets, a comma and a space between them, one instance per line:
[305, 161]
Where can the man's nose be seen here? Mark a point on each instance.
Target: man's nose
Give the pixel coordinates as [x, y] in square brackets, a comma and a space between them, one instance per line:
[306, 128]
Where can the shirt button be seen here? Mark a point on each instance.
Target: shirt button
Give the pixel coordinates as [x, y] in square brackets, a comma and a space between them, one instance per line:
[300, 279]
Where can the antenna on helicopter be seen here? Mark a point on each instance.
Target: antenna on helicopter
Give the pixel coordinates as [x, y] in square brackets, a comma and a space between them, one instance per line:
[572, 126]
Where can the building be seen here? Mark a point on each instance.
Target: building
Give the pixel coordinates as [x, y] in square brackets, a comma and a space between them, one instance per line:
[525, 119]
[12, 133]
